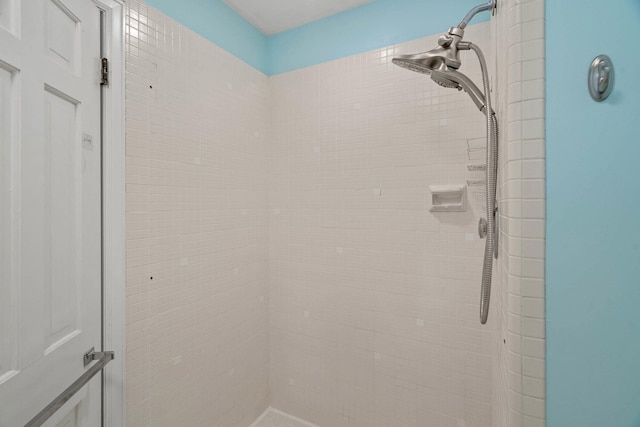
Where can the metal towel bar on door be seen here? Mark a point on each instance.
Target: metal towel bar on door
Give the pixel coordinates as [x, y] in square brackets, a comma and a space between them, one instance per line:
[101, 358]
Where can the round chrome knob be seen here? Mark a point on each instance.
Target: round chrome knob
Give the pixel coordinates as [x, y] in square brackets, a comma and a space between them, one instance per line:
[482, 228]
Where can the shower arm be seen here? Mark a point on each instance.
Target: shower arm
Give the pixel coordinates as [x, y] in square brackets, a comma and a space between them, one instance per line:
[453, 39]
[490, 5]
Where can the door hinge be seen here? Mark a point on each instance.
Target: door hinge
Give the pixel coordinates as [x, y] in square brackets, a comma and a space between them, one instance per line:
[104, 72]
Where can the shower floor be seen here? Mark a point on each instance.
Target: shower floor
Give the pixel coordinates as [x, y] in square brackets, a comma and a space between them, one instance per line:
[275, 418]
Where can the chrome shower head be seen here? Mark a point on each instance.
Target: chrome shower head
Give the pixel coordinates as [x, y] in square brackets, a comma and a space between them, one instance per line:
[442, 63]
[441, 58]
[457, 80]
[414, 63]
[442, 78]
[435, 67]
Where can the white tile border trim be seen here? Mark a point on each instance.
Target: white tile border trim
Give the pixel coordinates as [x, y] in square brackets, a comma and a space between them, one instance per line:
[114, 256]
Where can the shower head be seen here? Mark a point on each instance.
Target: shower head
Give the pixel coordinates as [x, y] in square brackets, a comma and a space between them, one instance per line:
[442, 63]
[439, 61]
[439, 58]
[455, 79]
[444, 80]
[434, 64]
[445, 56]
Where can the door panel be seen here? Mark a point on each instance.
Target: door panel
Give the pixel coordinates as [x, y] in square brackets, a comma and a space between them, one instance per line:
[9, 12]
[62, 35]
[63, 221]
[50, 212]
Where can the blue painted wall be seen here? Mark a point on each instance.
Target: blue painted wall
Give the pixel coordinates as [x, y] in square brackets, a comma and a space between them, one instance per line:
[371, 26]
[220, 24]
[593, 217]
[367, 27]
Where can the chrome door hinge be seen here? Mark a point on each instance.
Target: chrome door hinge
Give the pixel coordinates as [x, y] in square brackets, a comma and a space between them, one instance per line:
[104, 72]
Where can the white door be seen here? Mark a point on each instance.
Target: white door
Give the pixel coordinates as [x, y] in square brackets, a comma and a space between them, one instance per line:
[50, 245]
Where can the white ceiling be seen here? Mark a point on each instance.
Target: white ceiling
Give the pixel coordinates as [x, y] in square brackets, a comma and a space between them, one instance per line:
[274, 16]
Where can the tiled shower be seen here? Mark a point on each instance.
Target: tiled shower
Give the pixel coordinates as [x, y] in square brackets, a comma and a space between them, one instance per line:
[280, 248]
[373, 299]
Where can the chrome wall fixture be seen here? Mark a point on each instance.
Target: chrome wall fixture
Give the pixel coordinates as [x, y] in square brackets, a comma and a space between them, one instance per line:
[442, 64]
[601, 78]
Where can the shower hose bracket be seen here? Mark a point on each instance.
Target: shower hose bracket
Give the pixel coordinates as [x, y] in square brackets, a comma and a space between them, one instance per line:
[482, 228]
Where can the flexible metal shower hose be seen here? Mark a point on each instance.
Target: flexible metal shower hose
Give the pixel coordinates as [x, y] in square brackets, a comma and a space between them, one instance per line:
[490, 248]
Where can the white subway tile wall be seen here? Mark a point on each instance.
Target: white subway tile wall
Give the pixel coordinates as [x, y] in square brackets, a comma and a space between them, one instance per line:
[374, 300]
[519, 372]
[280, 248]
[197, 269]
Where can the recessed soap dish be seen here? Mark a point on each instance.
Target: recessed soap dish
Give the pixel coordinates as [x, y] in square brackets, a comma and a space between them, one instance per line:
[448, 198]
